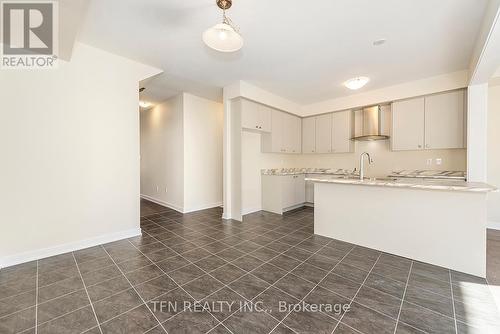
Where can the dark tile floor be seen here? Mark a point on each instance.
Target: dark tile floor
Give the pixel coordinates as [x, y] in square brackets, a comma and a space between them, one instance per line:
[147, 284]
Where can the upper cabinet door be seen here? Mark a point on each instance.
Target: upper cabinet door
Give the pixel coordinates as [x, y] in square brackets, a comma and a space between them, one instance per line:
[250, 114]
[324, 134]
[342, 132]
[408, 125]
[291, 140]
[265, 118]
[296, 135]
[444, 120]
[309, 135]
[277, 133]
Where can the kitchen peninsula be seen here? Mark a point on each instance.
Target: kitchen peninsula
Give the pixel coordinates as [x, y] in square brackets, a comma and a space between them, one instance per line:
[441, 222]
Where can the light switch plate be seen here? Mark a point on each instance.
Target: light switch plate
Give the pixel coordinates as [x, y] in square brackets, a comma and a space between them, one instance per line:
[429, 162]
[439, 161]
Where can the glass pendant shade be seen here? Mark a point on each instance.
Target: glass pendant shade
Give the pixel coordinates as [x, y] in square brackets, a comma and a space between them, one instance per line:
[222, 37]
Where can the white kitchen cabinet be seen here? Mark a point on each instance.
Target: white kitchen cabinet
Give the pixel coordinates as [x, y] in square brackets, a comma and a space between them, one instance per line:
[342, 128]
[293, 134]
[255, 116]
[265, 118]
[408, 121]
[277, 131]
[286, 134]
[281, 193]
[444, 120]
[300, 189]
[431, 122]
[287, 191]
[309, 135]
[324, 133]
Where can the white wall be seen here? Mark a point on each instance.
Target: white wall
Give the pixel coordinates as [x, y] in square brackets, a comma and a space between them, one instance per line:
[181, 153]
[69, 139]
[252, 162]
[493, 152]
[202, 153]
[162, 153]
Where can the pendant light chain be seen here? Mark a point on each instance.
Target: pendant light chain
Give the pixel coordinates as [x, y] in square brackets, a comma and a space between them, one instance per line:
[229, 22]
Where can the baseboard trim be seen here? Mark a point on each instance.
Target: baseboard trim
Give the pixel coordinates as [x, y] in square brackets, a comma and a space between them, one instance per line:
[249, 211]
[68, 247]
[162, 203]
[203, 207]
[493, 225]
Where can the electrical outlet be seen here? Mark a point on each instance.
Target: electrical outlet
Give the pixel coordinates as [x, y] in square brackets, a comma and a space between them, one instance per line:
[429, 162]
[439, 161]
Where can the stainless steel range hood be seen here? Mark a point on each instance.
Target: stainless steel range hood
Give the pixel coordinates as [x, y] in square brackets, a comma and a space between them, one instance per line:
[373, 123]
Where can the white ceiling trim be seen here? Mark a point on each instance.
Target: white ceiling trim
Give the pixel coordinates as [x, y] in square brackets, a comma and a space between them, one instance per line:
[402, 91]
[497, 73]
[486, 56]
[441, 83]
[257, 94]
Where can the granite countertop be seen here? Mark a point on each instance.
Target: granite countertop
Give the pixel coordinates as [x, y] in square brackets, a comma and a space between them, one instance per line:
[298, 171]
[425, 184]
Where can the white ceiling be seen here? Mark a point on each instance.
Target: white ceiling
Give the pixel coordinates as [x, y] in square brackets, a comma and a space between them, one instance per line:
[301, 50]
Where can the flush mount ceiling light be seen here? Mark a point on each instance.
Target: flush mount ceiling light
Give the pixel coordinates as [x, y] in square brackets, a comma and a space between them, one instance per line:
[356, 83]
[225, 36]
[144, 104]
[379, 42]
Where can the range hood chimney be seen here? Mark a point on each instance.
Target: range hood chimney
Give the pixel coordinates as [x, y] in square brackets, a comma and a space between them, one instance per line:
[373, 123]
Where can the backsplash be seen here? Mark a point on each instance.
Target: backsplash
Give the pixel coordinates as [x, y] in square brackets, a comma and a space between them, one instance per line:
[385, 160]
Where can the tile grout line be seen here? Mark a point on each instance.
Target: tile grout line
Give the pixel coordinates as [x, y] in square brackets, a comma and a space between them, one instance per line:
[249, 272]
[233, 246]
[403, 298]
[270, 285]
[261, 246]
[246, 271]
[359, 289]
[377, 311]
[281, 253]
[143, 302]
[453, 303]
[180, 287]
[326, 275]
[36, 299]
[86, 292]
[229, 246]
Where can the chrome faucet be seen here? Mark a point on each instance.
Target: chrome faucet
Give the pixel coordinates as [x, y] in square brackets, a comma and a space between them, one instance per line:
[362, 164]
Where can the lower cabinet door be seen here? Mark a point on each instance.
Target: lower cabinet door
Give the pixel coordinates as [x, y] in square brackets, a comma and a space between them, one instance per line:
[300, 189]
[288, 190]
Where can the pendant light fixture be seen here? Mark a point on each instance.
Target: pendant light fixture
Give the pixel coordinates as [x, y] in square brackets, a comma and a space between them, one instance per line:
[223, 37]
